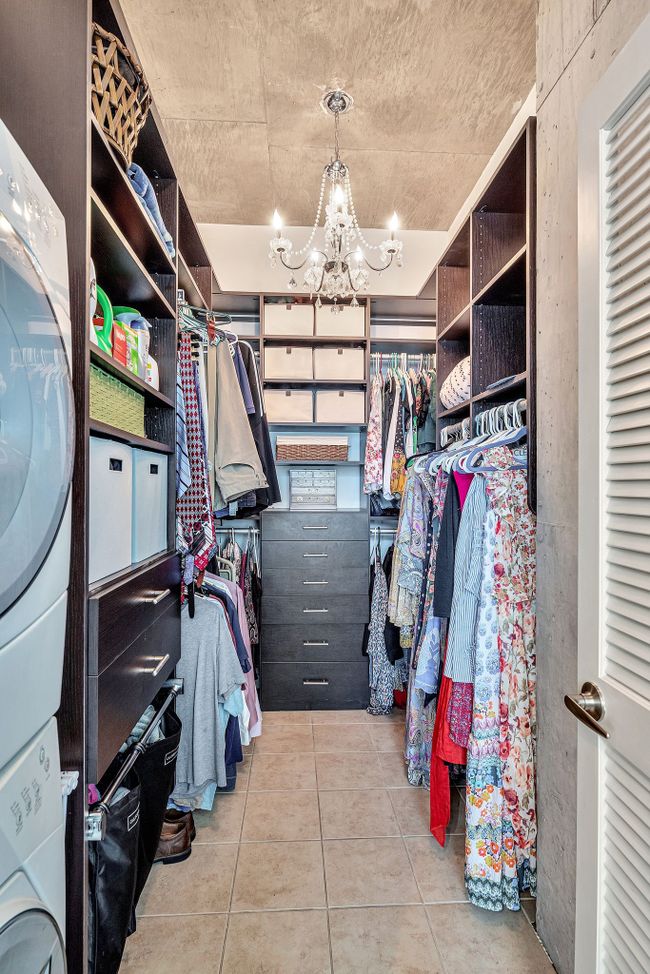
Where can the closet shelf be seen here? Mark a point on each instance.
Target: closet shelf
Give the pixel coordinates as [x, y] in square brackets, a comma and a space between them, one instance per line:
[315, 339]
[120, 272]
[412, 346]
[455, 410]
[505, 391]
[109, 364]
[331, 383]
[458, 327]
[331, 426]
[187, 281]
[319, 463]
[113, 187]
[508, 286]
[114, 433]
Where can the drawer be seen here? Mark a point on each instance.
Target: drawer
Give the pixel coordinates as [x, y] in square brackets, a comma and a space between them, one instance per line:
[316, 576]
[120, 612]
[315, 526]
[119, 695]
[315, 555]
[325, 643]
[314, 609]
[315, 686]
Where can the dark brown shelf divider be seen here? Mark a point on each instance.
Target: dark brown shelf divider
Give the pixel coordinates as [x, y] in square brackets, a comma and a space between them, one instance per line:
[114, 433]
[459, 327]
[188, 283]
[109, 364]
[314, 340]
[504, 392]
[508, 285]
[496, 238]
[458, 410]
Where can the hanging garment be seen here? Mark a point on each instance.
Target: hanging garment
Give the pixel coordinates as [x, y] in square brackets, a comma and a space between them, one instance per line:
[183, 471]
[381, 677]
[373, 469]
[391, 423]
[262, 497]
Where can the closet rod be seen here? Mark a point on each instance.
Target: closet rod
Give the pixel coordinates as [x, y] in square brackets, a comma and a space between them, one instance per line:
[96, 820]
[383, 530]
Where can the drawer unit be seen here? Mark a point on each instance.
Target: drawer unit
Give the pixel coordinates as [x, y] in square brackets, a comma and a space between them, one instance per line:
[288, 319]
[316, 576]
[315, 526]
[288, 362]
[313, 557]
[315, 686]
[313, 608]
[313, 644]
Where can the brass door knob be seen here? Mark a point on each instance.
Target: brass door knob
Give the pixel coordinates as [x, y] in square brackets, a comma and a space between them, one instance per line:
[588, 707]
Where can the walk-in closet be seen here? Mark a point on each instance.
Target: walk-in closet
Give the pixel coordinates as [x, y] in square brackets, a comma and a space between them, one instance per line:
[323, 487]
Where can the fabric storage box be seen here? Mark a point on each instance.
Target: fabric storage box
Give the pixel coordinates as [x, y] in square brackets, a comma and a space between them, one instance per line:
[288, 362]
[111, 490]
[347, 322]
[149, 535]
[289, 405]
[340, 406]
[288, 319]
[339, 363]
[312, 448]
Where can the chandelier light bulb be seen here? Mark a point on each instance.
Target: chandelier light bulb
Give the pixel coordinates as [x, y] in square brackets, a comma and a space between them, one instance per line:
[314, 256]
[393, 223]
[277, 221]
[339, 195]
[358, 255]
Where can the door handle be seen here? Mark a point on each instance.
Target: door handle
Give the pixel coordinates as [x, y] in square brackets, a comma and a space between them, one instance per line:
[156, 597]
[315, 527]
[588, 707]
[157, 669]
[315, 683]
[319, 555]
[315, 642]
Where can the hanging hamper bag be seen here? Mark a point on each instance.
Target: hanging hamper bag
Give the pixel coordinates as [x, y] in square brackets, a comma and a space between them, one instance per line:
[113, 866]
[456, 388]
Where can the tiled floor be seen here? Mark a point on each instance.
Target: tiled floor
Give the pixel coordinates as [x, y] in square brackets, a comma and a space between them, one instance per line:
[321, 862]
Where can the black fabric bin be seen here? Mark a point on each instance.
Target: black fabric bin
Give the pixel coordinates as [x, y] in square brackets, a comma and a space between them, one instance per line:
[113, 865]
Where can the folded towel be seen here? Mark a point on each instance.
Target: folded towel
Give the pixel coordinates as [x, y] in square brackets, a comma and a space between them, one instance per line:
[144, 189]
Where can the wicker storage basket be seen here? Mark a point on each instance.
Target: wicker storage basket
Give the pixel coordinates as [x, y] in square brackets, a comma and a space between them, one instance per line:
[311, 448]
[115, 403]
[120, 95]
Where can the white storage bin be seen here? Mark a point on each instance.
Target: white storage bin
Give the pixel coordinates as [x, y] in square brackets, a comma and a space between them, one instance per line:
[340, 406]
[288, 319]
[111, 489]
[149, 535]
[288, 362]
[289, 405]
[348, 322]
[339, 363]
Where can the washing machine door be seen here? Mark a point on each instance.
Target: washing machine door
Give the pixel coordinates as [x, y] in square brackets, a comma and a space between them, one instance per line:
[36, 418]
[30, 943]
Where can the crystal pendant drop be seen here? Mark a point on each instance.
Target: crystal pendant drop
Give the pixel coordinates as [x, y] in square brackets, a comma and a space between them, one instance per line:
[292, 283]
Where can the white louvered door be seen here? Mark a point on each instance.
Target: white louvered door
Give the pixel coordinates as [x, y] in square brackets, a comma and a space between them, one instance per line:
[613, 882]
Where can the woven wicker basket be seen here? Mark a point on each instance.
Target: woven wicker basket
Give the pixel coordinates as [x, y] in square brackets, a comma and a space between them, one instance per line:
[115, 403]
[311, 451]
[120, 95]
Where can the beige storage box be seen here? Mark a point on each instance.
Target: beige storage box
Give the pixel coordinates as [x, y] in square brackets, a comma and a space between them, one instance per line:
[288, 362]
[340, 406]
[339, 363]
[348, 322]
[289, 405]
[288, 319]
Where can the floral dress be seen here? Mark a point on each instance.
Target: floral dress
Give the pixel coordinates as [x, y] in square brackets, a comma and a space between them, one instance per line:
[373, 469]
[501, 823]
[381, 674]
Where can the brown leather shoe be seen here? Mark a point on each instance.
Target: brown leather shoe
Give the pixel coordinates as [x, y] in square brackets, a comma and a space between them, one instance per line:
[175, 815]
[174, 844]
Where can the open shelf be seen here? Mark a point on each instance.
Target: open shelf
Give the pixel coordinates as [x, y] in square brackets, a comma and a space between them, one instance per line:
[114, 188]
[330, 383]
[412, 346]
[114, 433]
[514, 388]
[458, 327]
[109, 364]
[315, 339]
[330, 426]
[319, 463]
[463, 407]
[187, 281]
[508, 286]
[120, 272]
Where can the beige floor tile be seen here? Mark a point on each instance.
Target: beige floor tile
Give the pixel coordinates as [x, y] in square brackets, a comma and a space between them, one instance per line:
[393, 768]
[271, 718]
[278, 772]
[283, 739]
[243, 772]
[338, 716]
[412, 809]
[294, 942]
[389, 737]
[201, 884]
[357, 814]
[223, 823]
[384, 940]
[279, 876]
[440, 873]
[336, 771]
[368, 872]
[342, 737]
[277, 815]
[190, 943]
[469, 938]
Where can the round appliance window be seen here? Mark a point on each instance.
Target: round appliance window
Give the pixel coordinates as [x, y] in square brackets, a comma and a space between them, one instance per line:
[31, 943]
[36, 419]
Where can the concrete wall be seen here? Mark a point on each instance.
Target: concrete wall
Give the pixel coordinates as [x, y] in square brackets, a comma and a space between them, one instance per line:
[576, 42]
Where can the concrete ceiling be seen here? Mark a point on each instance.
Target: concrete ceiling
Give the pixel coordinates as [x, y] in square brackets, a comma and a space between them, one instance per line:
[238, 82]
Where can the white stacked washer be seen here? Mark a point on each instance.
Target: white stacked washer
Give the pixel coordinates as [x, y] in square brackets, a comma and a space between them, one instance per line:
[36, 454]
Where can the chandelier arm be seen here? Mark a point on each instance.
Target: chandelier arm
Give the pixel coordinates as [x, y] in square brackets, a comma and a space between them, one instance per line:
[290, 267]
[378, 270]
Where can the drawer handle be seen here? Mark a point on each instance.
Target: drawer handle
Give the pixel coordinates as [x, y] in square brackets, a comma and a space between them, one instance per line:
[315, 610]
[321, 555]
[315, 683]
[315, 583]
[157, 597]
[315, 642]
[315, 527]
[156, 670]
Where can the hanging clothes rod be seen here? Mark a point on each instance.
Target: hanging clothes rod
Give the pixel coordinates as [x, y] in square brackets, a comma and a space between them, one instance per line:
[96, 820]
[237, 531]
[374, 530]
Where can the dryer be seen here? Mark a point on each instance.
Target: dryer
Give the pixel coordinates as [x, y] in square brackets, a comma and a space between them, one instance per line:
[32, 875]
[36, 449]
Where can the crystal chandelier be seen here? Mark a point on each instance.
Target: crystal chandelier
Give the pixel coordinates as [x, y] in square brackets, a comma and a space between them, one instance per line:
[340, 269]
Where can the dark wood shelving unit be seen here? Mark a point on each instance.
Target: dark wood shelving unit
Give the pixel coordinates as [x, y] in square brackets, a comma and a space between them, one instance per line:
[458, 327]
[505, 392]
[458, 410]
[186, 281]
[109, 364]
[132, 439]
